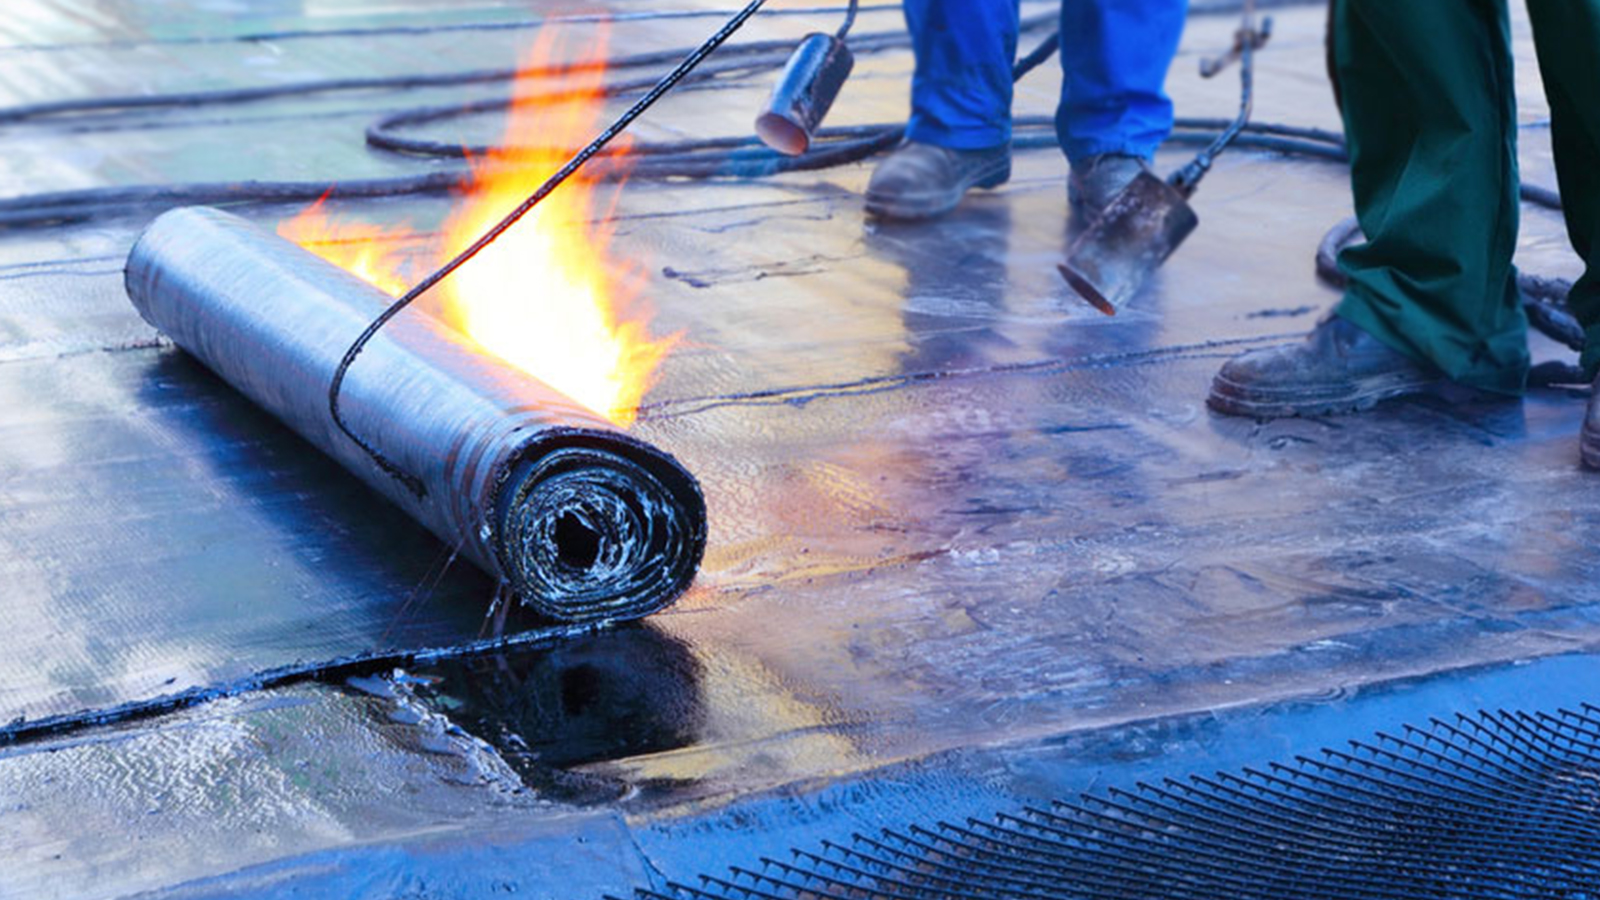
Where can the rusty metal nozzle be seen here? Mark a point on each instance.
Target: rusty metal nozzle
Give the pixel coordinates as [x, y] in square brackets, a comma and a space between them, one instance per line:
[1142, 225]
[1133, 237]
[805, 91]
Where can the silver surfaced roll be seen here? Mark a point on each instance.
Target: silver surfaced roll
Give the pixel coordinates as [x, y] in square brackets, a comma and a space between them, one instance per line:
[584, 522]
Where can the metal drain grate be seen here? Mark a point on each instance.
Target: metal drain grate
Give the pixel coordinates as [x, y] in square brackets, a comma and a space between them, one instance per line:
[1503, 804]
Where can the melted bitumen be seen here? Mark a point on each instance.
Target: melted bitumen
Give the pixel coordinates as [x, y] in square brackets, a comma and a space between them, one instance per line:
[593, 699]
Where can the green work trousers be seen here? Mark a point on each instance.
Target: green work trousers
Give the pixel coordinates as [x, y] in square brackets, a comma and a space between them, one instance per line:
[1430, 117]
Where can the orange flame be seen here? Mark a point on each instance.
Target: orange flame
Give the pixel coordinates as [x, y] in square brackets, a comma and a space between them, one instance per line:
[547, 297]
[353, 246]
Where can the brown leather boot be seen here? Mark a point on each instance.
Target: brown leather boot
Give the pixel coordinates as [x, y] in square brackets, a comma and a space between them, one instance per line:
[921, 181]
[1093, 182]
[1338, 368]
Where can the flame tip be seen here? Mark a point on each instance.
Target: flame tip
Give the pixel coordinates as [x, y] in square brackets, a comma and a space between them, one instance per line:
[583, 328]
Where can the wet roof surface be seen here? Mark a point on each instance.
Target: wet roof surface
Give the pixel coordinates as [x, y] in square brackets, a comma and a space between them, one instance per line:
[951, 507]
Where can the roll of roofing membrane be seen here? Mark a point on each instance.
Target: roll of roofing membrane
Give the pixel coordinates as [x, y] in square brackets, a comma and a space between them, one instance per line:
[582, 521]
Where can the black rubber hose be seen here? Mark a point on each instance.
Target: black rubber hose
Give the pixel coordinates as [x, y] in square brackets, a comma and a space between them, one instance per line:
[714, 158]
[741, 157]
[873, 41]
[331, 671]
[849, 19]
[731, 157]
[1543, 299]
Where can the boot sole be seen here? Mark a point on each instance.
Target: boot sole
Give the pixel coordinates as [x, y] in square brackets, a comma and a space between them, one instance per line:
[934, 203]
[1231, 398]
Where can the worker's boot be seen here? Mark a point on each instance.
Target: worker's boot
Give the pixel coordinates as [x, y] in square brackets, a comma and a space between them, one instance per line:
[921, 181]
[1094, 182]
[1589, 438]
[1338, 368]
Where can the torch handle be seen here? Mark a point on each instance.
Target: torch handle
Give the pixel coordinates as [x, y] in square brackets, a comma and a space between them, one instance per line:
[1247, 40]
[849, 19]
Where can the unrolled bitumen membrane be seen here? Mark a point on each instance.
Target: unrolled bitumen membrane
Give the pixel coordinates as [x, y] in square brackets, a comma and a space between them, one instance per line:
[582, 521]
[1024, 527]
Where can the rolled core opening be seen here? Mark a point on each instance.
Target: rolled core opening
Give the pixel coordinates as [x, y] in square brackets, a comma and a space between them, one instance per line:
[598, 528]
[577, 544]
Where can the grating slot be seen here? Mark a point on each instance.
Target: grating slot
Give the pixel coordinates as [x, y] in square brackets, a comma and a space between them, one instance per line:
[1494, 805]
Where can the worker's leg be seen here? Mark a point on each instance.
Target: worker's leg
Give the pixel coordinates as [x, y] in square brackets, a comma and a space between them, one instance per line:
[1567, 35]
[1430, 121]
[1430, 118]
[959, 136]
[961, 91]
[1114, 60]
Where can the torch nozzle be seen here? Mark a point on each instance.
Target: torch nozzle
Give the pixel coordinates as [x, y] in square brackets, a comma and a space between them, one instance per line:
[804, 93]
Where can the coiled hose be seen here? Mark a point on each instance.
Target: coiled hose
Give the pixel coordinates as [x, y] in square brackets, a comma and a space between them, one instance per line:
[726, 157]
[729, 157]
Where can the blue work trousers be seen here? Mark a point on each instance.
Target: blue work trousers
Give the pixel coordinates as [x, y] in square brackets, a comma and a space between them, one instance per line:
[1114, 59]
